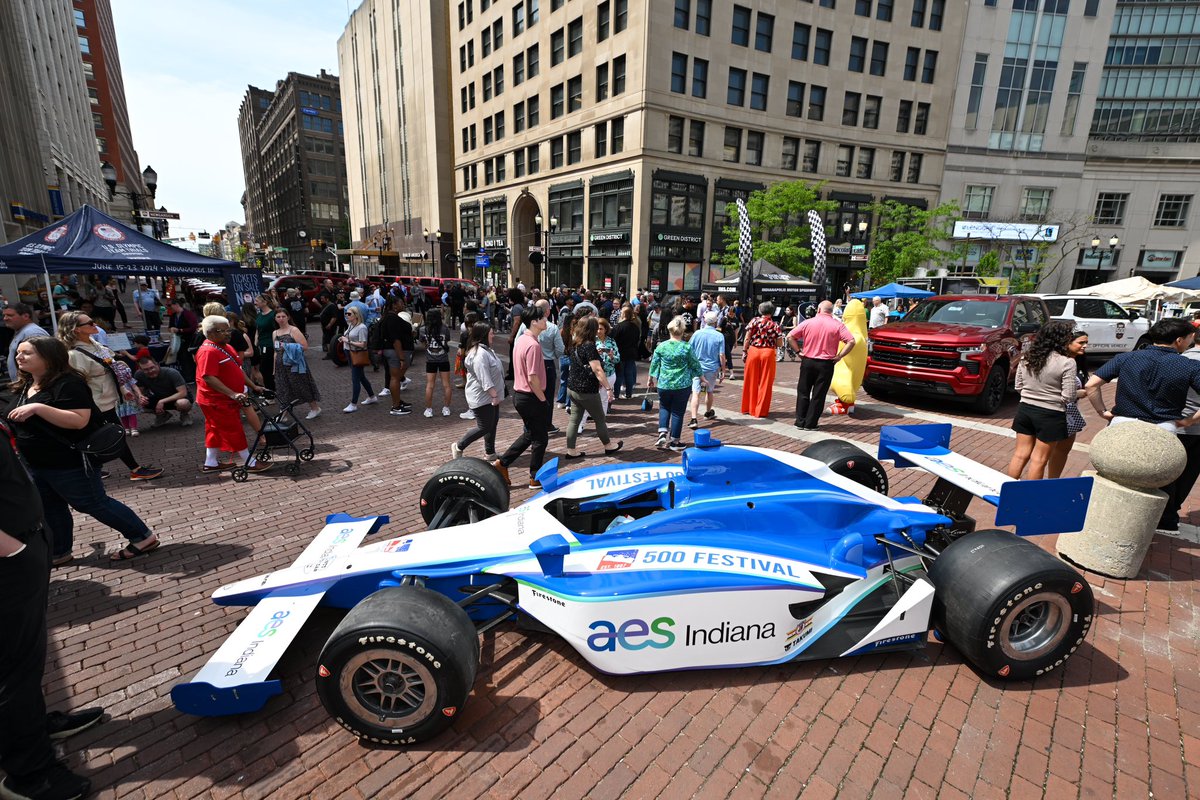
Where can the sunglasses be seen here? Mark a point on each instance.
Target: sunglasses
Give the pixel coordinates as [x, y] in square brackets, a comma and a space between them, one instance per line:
[82, 324]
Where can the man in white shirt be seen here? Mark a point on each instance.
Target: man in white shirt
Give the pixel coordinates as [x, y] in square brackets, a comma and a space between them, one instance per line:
[879, 313]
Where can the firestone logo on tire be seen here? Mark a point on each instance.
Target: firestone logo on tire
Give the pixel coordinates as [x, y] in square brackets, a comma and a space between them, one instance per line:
[108, 232]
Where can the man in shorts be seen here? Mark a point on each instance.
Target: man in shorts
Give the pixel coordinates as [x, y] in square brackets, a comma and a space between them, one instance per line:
[165, 391]
[708, 344]
[397, 335]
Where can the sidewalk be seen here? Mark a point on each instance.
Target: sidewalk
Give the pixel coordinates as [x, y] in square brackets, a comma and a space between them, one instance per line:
[1120, 720]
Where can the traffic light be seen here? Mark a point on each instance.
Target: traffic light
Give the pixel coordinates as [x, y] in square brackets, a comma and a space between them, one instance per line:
[536, 258]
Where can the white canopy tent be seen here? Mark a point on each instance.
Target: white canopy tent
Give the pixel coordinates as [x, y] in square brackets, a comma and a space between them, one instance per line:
[1137, 291]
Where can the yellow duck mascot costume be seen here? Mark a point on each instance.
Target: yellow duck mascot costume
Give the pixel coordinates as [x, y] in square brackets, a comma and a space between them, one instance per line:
[848, 374]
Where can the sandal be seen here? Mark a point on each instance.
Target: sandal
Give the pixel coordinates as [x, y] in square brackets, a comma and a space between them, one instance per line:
[129, 552]
[608, 451]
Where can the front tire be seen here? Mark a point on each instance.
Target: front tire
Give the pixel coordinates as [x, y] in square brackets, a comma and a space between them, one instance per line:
[850, 462]
[1012, 609]
[994, 387]
[463, 491]
[399, 667]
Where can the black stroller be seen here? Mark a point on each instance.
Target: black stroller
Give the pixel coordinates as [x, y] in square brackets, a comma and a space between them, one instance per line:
[284, 429]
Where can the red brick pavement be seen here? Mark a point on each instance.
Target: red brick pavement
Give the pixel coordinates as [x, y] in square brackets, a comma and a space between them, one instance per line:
[539, 721]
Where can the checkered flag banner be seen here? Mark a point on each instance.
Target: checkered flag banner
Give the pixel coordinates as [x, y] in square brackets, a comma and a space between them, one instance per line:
[745, 239]
[816, 229]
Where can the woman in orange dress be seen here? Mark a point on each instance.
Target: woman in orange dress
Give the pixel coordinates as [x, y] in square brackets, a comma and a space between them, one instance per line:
[758, 355]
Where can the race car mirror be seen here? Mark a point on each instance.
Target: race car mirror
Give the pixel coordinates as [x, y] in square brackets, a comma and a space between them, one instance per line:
[550, 551]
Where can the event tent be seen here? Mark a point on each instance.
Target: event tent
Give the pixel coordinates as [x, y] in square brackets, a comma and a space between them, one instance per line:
[1192, 283]
[1136, 291]
[89, 242]
[893, 290]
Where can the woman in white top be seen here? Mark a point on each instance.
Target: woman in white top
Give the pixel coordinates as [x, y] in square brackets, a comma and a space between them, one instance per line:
[484, 390]
[355, 341]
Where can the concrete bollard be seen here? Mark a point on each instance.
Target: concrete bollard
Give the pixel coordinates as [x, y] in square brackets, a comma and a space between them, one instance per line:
[1130, 459]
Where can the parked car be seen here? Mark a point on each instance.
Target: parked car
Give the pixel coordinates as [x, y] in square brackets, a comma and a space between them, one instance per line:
[1110, 328]
[309, 285]
[955, 346]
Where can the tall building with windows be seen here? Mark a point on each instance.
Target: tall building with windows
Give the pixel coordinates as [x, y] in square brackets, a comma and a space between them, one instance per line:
[1076, 121]
[395, 79]
[602, 142]
[293, 157]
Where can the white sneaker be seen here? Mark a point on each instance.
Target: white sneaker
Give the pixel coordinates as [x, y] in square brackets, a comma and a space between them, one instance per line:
[445, 411]
[429, 412]
[313, 414]
[350, 409]
[455, 451]
[468, 414]
[385, 392]
[370, 401]
[404, 384]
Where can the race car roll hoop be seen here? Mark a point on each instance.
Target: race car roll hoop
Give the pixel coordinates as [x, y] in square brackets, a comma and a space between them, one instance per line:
[736, 556]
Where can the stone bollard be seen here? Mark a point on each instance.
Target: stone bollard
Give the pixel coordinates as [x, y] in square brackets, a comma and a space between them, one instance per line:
[1132, 460]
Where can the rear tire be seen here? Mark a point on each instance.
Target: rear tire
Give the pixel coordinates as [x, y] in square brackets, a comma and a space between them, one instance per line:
[850, 462]
[992, 396]
[399, 667]
[1012, 609]
[1142, 343]
[468, 479]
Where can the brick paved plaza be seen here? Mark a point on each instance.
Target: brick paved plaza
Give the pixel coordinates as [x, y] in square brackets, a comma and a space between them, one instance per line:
[1121, 720]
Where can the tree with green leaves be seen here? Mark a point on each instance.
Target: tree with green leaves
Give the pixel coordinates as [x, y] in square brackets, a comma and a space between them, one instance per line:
[907, 237]
[779, 226]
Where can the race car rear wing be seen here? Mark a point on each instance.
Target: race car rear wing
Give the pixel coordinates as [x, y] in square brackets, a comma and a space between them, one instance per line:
[234, 680]
[1057, 505]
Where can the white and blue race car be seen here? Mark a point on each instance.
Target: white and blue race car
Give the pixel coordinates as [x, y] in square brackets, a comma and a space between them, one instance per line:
[737, 556]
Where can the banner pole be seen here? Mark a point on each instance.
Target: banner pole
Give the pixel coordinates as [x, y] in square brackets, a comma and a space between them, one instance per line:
[49, 295]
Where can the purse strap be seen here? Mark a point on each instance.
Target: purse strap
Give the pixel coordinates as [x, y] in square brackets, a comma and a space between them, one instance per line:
[107, 367]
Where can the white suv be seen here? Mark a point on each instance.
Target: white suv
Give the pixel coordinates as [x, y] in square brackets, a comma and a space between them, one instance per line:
[1110, 328]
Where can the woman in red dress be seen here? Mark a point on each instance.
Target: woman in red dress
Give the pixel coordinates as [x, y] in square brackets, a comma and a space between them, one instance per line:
[758, 354]
[220, 393]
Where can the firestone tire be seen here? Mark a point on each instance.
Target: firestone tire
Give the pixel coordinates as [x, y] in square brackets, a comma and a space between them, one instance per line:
[399, 667]
[850, 462]
[1012, 609]
[469, 478]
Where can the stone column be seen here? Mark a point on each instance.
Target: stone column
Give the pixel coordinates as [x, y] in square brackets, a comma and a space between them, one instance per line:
[1132, 460]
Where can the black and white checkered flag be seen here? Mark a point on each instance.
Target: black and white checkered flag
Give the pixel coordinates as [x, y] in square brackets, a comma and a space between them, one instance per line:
[816, 229]
[745, 254]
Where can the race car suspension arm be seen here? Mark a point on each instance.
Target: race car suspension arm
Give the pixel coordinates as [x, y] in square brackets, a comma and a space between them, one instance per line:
[911, 547]
[491, 592]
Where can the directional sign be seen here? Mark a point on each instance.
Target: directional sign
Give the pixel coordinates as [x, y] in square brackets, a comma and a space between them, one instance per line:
[152, 214]
[483, 260]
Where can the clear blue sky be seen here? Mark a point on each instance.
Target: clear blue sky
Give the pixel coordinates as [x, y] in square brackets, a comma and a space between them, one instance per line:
[187, 64]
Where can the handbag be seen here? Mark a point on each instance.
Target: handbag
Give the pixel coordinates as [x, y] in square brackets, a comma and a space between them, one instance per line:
[105, 442]
[360, 358]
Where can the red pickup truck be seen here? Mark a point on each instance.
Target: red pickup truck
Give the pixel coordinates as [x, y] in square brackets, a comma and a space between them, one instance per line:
[958, 346]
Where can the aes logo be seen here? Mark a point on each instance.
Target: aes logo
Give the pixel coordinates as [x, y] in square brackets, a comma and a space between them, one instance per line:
[633, 634]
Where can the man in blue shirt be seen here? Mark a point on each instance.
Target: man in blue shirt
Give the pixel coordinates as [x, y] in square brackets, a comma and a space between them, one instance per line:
[708, 344]
[1153, 387]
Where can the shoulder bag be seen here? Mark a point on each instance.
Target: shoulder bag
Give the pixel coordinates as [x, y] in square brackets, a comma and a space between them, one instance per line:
[104, 442]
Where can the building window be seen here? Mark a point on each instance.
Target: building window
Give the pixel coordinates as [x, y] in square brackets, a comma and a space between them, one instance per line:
[531, 158]
[733, 144]
[937, 10]
[754, 148]
[678, 205]
[736, 94]
[896, 172]
[617, 137]
[532, 111]
[978, 201]
[1110, 208]
[602, 82]
[558, 41]
[703, 17]
[862, 8]
[612, 205]
[487, 87]
[978, 75]
[575, 93]
[812, 156]
[518, 69]
[800, 37]
[602, 21]
[699, 78]
[879, 55]
[575, 37]
[488, 175]
[696, 138]
[601, 143]
[518, 26]
[904, 116]
[84, 46]
[556, 152]
[618, 82]
[845, 160]
[914, 167]
[918, 13]
[675, 135]
[487, 130]
[822, 47]
[556, 101]
[498, 35]
[499, 125]
[871, 111]
[741, 26]
[89, 72]
[791, 153]
[1172, 211]
[1074, 91]
[858, 54]
[850, 106]
[1035, 203]
[759, 89]
[795, 99]
[679, 73]
[621, 17]
[519, 117]
[485, 42]
[531, 61]
[500, 176]
[883, 10]
[912, 57]
[929, 68]
[866, 162]
[764, 32]
[683, 13]
[80, 22]
[816, 103]
[922, 120]
[498, 79]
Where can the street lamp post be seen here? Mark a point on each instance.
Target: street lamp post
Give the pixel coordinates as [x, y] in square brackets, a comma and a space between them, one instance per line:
[1113, 241]
[149, 177]
[544, 240]
[432, 239]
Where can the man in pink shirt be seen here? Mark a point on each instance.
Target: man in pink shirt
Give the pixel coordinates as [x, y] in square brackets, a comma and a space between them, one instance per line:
[822, 342]
[529, 397]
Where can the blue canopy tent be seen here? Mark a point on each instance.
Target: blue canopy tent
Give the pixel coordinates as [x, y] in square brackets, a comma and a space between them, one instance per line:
[893, 290]
[1187, 283]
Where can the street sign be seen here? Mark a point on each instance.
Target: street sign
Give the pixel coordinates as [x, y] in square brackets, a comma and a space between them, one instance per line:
[483, 260]
[150, 213]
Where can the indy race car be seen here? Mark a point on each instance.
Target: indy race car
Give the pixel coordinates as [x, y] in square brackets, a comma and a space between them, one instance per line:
[738, 556]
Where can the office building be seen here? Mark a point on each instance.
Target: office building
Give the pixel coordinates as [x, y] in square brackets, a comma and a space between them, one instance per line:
[400, 168]
[627, 128]
[293, 158]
